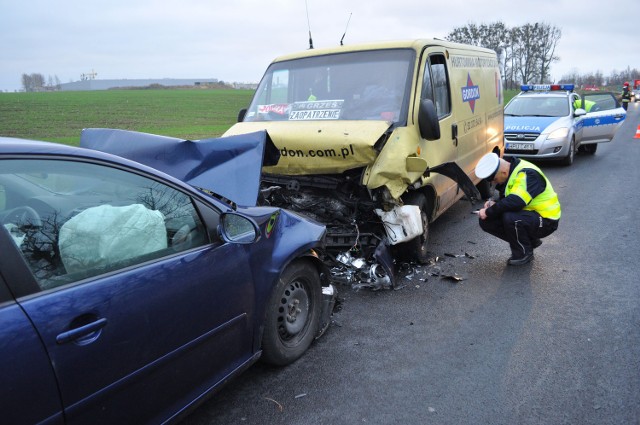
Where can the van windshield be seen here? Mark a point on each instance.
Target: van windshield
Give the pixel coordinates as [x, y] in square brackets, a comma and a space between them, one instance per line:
[370, 85]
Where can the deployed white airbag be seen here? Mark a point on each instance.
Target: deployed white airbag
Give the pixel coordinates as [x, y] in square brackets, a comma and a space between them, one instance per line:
[103, 235]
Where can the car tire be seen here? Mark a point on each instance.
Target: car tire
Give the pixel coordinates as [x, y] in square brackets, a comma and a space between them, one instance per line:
[591, 148]
[293, 314]
[416, 248]
[568, 160]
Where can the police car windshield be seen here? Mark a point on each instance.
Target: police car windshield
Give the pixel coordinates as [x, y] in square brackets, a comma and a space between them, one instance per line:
[370, 85]
[537, 106]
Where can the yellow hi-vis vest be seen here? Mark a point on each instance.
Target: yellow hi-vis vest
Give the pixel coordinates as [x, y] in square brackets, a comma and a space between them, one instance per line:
[546, 204]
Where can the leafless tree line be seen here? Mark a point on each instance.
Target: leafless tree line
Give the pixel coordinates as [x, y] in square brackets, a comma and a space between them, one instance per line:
[616, 78]
[525, 53]
[37, 82]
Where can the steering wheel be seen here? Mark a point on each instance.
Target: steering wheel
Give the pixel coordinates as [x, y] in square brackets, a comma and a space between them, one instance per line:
[22, 217]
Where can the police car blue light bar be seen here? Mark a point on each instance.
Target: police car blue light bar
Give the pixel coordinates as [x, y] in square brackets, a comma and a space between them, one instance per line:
[547, 87]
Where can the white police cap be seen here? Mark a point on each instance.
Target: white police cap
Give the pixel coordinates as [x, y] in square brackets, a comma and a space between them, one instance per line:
[488, 165]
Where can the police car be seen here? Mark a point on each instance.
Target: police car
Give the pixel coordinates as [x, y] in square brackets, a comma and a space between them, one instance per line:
[552, 122]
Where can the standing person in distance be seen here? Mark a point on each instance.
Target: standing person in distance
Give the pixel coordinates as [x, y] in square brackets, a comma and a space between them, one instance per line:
[527, 210]
[626, 95]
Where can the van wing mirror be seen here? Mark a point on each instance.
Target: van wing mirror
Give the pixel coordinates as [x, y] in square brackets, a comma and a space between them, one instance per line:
[428, 120]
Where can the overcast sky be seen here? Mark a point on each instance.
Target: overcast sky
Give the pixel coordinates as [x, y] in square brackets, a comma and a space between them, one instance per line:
[234, 40]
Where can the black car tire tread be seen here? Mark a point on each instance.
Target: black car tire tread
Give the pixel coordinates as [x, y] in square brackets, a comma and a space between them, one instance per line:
[297, 296]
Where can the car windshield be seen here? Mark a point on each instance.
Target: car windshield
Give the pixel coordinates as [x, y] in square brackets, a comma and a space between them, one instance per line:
[538, 106]
[372, 85]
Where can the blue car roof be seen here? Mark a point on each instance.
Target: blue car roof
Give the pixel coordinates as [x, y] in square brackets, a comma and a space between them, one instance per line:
[230, 167]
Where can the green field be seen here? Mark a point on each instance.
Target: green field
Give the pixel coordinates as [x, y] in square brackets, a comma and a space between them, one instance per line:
[60, 116]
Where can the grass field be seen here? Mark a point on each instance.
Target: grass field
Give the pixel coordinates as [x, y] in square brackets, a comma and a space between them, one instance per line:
[60, 116]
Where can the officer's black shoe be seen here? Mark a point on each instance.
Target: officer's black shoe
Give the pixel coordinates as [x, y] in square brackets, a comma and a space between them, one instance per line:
[521, 260]
[536, 243]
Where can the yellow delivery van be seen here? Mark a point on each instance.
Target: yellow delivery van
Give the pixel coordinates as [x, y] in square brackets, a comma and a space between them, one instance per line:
[378, 140]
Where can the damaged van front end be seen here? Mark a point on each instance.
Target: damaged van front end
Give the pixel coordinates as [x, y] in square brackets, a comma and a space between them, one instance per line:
[360, 150]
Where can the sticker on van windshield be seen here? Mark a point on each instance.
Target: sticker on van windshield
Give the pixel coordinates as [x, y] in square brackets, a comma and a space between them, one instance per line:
[316, 110]
[277, 108]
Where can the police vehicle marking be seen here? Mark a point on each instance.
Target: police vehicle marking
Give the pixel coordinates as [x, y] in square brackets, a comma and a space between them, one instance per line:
[604, 120]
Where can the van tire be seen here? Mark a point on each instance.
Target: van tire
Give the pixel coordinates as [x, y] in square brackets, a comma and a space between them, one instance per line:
[416, 248]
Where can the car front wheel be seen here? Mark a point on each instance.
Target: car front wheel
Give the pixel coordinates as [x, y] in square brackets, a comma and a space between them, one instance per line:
[568, 160]
[293, 314]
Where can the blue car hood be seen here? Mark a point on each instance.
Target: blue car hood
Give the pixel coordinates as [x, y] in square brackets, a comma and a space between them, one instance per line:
[230, 166]
[527, 124]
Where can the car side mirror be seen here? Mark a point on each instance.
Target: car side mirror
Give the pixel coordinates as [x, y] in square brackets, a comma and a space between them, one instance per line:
[236, 228]
[428, 120]
[241, 114]
[579, 112]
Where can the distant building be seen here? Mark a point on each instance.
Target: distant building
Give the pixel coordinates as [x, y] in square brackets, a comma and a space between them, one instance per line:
[90, 84]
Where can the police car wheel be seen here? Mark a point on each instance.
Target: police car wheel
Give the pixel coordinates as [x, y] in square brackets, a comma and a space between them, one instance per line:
[590, 148]
[568, 160]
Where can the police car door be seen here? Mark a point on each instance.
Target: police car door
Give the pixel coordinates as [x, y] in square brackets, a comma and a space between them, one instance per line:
[604, 117]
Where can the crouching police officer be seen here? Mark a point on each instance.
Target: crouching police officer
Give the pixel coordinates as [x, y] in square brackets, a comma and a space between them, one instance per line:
[527, 210]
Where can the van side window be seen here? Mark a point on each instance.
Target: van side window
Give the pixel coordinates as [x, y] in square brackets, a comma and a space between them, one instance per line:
[441, 85]
[427, 88]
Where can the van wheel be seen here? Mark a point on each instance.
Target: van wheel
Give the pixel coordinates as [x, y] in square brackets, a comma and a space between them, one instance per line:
[416, 248]
[568, 160]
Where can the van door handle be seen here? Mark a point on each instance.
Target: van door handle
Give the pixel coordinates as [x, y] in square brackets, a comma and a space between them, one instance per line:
[82, 332]
[454, 134]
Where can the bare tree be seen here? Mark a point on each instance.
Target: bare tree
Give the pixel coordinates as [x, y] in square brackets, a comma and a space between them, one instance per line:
[33, 82]
[26, 82]
[547, 40]
[525, 53]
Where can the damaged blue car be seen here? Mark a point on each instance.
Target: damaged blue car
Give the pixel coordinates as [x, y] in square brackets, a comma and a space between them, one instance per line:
[137, 276]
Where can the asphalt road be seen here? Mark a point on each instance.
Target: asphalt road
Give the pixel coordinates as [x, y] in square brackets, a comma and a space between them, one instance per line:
[553, 342]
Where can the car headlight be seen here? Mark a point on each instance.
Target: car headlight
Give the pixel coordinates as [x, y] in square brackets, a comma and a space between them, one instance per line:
[560, 133]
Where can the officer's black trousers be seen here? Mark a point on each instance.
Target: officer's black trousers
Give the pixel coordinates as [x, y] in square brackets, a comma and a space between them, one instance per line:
[519, 229]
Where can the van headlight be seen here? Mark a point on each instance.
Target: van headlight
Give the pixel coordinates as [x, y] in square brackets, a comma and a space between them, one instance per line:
[560, 133]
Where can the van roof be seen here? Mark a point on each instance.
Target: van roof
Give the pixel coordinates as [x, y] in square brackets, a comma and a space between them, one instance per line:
[415, 44]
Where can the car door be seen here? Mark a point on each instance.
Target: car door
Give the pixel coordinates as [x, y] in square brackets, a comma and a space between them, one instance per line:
[604, 117]
[134, 333]
[23, 357]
